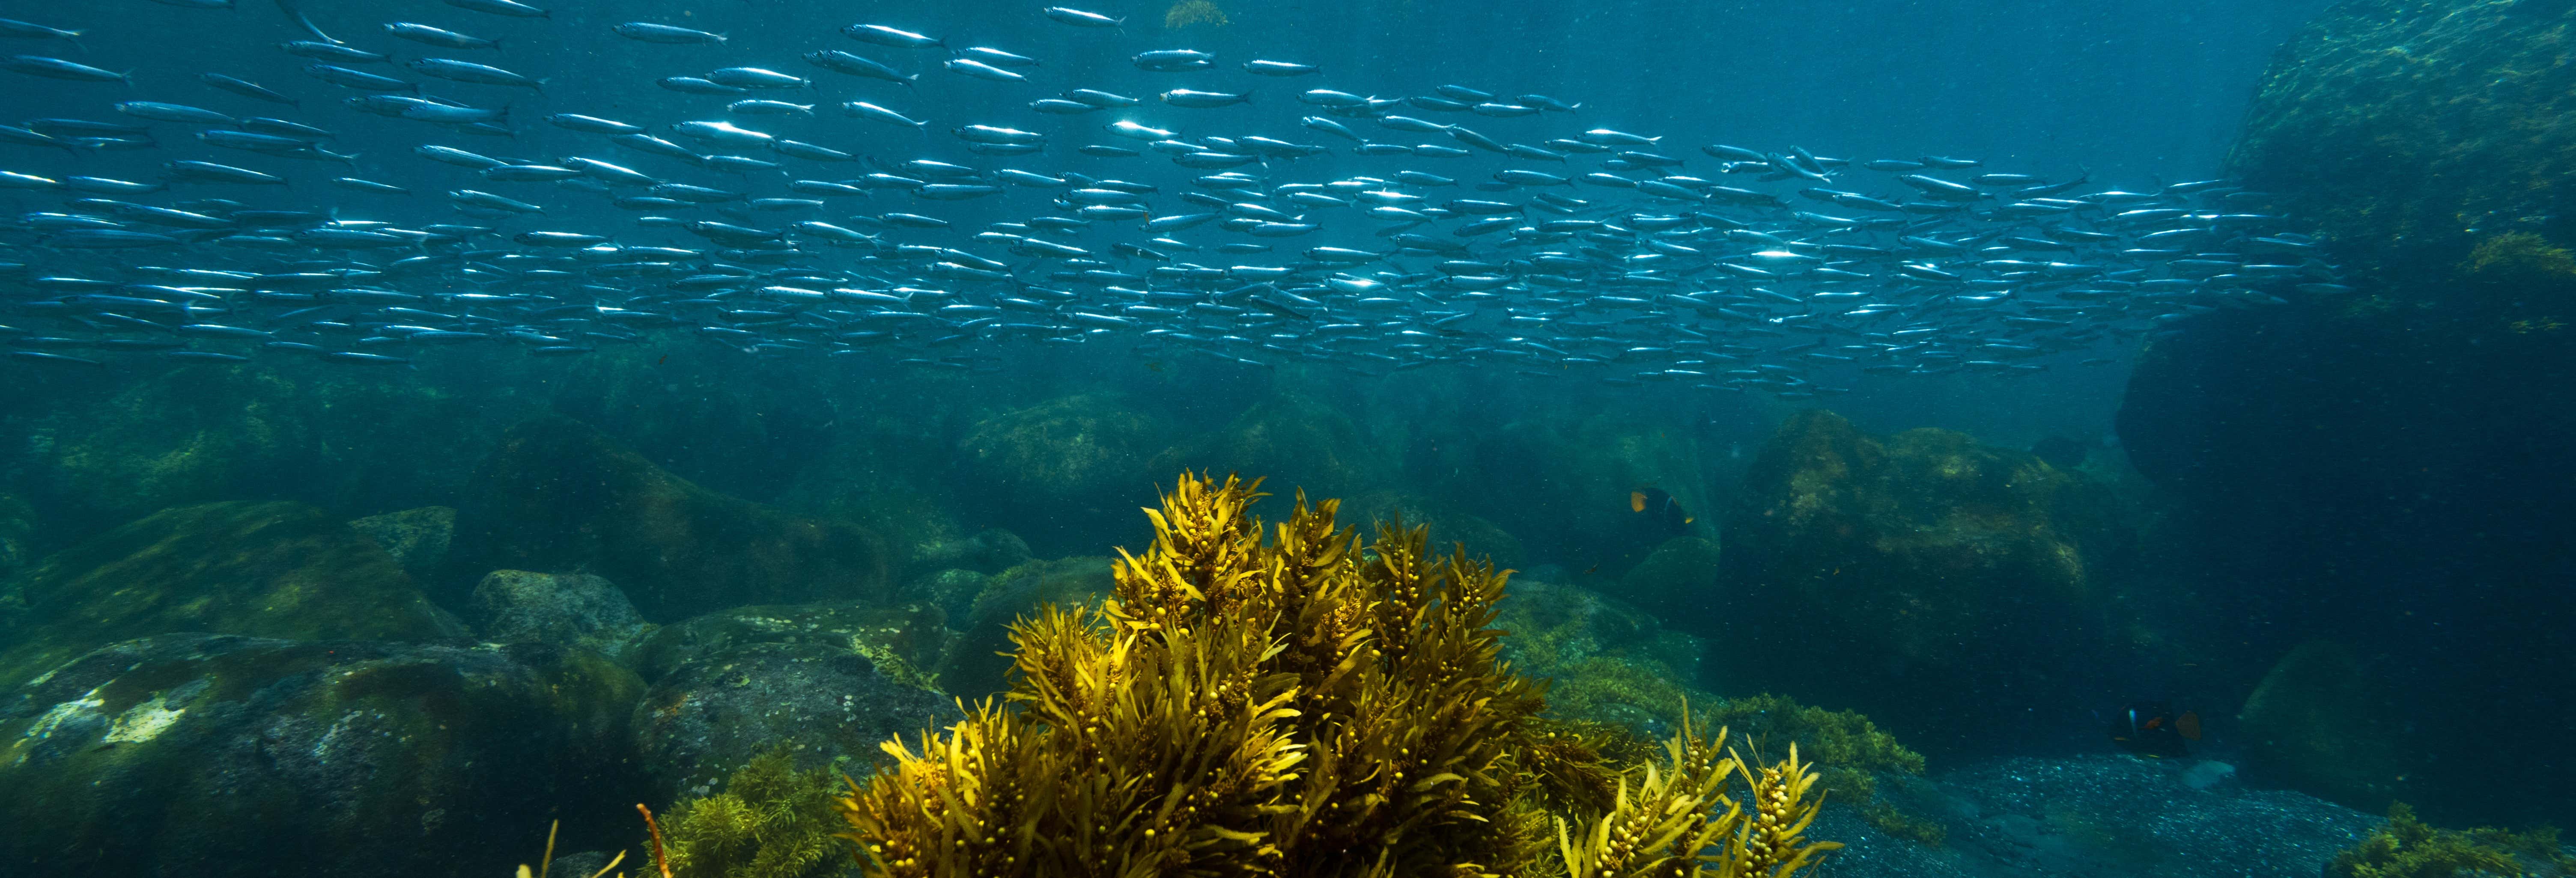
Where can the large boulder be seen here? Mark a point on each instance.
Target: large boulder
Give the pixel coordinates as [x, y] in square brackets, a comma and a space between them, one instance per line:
[279, 428]
[2409, 132]
[1941, 575]
[565, 609]
[828, 682]
[278, 570]
[558, 496]
[979, 665]
[232, 757]
[2323, 723]
[418, 538]
[1296, 441]
[1059, 470]
[2390, 463]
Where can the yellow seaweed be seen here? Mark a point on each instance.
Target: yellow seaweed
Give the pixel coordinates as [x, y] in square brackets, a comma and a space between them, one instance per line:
[1288, 699]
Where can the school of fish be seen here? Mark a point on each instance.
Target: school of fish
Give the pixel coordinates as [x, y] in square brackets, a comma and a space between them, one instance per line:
[793, 228]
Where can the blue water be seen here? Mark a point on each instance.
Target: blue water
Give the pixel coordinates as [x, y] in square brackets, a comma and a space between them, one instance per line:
[1643, 352]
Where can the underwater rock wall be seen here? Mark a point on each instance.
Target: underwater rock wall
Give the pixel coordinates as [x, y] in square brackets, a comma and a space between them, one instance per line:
[2387, 469]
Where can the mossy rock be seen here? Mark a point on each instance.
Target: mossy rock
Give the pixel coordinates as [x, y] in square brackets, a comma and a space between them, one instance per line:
[1902, 552]
[976, 667]
[1076, 456]
[418, 538]
[558, 496]
[565, 609]
[1608, 662]
[912, 639]
[826, 682]
[2323, 723]
[2408, 132]
[280, 428]
[1679, 579]
[209, 755]
[280, 570]
[1297, 442]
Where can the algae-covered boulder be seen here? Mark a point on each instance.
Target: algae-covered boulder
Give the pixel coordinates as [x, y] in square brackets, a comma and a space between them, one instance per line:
[418, 538]
[1607, 662]
[566, 609]
[230, 757]
[827, 682]
[281, 570]
[278, 429]
[2409, 132]
[1678, 577]
[559, 496]
[2323, 723]
[1061, 465]
[1942, 574]
[977, 666]
[1298, 441]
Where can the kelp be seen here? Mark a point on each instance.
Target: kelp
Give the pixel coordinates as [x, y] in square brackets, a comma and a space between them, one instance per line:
[1292, 700]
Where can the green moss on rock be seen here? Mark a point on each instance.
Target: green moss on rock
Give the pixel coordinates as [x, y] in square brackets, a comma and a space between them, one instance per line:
[2410, 131]
[208, 755]
[2321, 722]
[1943, 571]
[281, 570]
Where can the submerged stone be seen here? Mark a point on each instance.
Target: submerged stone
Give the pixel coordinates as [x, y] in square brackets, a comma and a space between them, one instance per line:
[2324, 724]
[559, 496]
[281, 570]
[418, 538]
[1947, 575]
[565, 609]
[977, 666]
[229, 757]
[826, 681]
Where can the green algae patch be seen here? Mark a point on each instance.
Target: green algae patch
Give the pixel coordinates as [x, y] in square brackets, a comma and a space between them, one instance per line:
[281, 570]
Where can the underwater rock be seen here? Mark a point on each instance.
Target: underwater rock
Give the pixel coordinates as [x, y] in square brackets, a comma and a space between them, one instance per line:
[2408, 132]
[2324, 724]
[953, 590]
[209, 755]
[1678, 575]
[1055, 470]
[1297, 441]
[417, 538]
[1607, 662]
[559, 496]
[827, 681]
[1948, 575]
[976, 667]
[991, 551]
[565, 609]
[280, 570]
[275, 429]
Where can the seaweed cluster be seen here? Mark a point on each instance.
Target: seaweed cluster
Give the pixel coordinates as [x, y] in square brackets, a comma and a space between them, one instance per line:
[771, 821]
[1849, 750]
[1306, 705]
[2409, 848]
